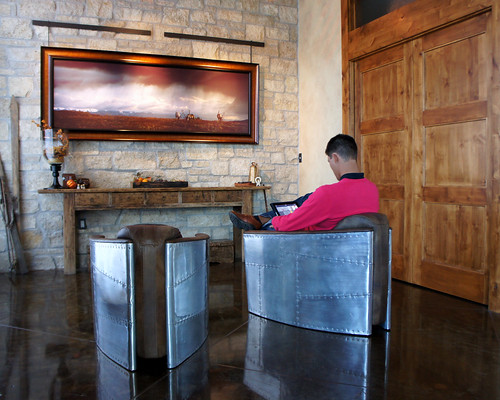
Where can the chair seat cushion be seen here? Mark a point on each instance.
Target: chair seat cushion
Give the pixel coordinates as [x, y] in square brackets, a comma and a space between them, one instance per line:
[150, 234]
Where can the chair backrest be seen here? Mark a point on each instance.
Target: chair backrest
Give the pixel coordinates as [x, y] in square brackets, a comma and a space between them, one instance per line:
[381, 257]
[149, 260]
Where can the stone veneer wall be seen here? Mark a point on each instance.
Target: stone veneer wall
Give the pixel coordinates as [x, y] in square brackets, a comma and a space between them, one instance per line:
[113, 164]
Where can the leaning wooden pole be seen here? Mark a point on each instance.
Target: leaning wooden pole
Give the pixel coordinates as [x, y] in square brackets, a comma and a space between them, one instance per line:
[14, 146]
[14, 246]
[9, 204]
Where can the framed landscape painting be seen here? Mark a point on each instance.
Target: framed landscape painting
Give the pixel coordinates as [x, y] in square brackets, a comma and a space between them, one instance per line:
[102, 95]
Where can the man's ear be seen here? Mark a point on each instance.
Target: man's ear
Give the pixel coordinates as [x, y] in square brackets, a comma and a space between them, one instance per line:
[335, 157]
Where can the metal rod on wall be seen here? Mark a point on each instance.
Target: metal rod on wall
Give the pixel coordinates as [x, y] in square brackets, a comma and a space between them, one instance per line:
[52, 24]
[213, 39]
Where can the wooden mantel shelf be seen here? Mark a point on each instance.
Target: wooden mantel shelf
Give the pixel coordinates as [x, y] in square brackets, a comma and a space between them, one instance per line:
[238, 197]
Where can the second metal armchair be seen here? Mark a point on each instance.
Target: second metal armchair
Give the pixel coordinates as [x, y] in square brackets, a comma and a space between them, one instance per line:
[335, 281]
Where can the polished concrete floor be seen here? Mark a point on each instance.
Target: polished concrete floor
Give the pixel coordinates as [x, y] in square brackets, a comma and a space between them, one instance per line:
[439, 347]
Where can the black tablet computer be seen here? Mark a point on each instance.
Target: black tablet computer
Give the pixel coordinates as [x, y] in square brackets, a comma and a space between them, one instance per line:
[284, 207]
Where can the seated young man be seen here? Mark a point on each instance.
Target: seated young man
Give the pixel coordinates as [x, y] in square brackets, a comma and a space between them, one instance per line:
[327, 205]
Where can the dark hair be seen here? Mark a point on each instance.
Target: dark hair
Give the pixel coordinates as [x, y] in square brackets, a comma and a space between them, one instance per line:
[344, 145]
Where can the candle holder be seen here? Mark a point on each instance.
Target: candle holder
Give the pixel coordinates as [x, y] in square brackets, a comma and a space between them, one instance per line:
[55, 145]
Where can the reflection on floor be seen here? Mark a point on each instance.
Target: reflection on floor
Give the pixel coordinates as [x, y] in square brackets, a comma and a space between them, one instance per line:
[440, 347]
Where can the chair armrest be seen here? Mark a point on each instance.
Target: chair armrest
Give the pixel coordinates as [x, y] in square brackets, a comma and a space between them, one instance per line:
[198, 236]
[102, 239]
[291, 233]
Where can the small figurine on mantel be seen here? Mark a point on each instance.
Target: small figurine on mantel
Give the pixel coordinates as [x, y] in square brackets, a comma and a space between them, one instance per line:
[253, 177]
[254, 172]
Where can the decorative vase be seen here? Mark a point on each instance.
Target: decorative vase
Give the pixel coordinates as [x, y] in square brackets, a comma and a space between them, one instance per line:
[55, 145]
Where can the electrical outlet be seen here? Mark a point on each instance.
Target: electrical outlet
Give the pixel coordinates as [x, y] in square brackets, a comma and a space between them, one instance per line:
[82, 223]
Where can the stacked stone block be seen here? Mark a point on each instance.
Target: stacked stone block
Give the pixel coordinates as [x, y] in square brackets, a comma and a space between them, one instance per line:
[113, 164]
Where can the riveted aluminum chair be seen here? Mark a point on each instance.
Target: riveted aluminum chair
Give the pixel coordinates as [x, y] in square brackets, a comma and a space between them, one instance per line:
[150, 293]
[335, 281]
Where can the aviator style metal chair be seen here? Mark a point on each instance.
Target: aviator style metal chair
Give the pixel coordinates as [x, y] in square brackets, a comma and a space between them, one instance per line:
[334, 281]
[150, 293]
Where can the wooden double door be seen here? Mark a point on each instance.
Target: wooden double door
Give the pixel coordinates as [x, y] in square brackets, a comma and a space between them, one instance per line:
[421, 117]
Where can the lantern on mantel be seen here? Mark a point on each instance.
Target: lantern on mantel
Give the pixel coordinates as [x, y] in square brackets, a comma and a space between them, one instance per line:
[55, 145]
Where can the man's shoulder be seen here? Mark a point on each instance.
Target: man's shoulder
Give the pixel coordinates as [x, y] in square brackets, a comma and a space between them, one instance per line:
[360, 181]
[326, 190]
[327, 187]
[344, 183]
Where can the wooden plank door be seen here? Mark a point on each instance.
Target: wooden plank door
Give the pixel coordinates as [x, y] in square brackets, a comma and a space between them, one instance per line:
[421, 119]
[382, 106]
[452, 173]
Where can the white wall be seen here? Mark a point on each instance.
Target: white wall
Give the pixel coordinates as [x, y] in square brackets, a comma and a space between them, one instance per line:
[320, 88]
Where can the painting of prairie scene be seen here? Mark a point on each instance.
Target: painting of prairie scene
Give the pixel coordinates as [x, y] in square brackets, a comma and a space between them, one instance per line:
[110, 96]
